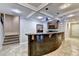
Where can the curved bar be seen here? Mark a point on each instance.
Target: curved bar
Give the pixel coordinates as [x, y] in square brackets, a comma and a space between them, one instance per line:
[43, 43]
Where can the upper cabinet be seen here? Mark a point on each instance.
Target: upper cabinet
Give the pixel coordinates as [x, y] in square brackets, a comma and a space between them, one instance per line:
[53, 24]
[39, 28]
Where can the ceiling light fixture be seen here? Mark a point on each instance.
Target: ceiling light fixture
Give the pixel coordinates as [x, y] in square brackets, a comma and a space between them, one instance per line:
[57, 18]
[50, 20]
[64, 6]
[39, 17]
[16, 10]
[71, 15]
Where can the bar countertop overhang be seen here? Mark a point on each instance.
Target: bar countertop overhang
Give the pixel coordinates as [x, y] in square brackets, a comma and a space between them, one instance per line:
[45, 33]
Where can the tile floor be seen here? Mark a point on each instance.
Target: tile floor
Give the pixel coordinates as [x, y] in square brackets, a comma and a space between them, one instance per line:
[69, 47]
[14, 50]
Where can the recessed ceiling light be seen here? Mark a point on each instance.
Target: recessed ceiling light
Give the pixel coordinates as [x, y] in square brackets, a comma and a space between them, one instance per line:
[16, 10]
[64, 6]
[71, 15]
[49, 18]
[39, 17]
[57, 18]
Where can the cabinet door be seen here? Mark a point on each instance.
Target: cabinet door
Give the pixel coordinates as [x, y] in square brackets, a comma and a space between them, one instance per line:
[53, 25]
[39, 28]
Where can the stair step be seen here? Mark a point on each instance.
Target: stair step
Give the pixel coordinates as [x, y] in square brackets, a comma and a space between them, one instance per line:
[14, 39]
[13, 42]
[10, 37]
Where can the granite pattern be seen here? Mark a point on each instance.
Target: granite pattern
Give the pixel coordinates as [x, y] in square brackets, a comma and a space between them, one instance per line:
[45, 33]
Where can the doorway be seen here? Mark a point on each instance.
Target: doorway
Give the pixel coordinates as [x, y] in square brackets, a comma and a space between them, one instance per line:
[11, 29]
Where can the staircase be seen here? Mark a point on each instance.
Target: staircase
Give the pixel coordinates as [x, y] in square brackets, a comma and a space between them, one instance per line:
[11, 39]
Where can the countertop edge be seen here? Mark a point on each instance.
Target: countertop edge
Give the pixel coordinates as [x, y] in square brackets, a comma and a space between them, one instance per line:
[43, 33]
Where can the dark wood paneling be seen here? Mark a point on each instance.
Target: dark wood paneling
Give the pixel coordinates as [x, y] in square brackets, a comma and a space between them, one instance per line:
[48, 44]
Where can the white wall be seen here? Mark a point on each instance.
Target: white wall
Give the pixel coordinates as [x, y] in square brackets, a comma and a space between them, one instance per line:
[1, 35]
[28, 26]
[67, 32]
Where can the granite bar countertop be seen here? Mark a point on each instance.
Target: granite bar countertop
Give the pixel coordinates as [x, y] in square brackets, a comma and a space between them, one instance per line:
[45, 33]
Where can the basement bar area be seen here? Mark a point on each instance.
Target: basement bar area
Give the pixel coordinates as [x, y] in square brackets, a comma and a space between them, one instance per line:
[43, 43]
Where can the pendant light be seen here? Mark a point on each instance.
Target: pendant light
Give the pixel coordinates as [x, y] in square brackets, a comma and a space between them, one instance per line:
[46, 16]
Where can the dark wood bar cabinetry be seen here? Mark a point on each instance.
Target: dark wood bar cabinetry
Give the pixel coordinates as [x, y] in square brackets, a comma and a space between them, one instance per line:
[43, 43]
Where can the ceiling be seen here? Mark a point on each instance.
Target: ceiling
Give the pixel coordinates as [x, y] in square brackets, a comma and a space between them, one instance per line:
[8, 7]
[33, 10]
[35, 4]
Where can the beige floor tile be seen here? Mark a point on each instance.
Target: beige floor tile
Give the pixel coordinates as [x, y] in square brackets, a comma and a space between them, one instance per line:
[69, 47]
